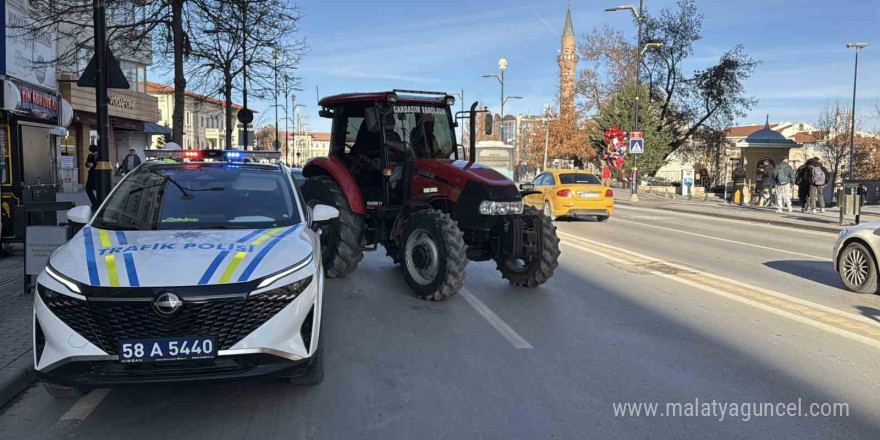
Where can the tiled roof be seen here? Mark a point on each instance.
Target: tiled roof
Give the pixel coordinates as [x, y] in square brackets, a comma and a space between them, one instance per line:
[803, 137]
[161, 89]
[744, 130]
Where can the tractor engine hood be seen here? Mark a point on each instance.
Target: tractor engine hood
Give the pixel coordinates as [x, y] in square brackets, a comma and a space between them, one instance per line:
[459, 172]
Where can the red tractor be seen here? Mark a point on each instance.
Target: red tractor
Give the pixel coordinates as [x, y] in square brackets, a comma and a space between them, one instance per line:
[395, 175]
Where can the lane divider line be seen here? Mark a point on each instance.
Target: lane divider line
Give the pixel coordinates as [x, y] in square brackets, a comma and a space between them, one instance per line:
[726, 280]
[495, 321]
[725, 220]
[725, 240]
[85, 405]
[852, 330]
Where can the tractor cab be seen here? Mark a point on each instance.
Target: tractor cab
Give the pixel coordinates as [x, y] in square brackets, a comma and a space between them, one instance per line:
[380, 140]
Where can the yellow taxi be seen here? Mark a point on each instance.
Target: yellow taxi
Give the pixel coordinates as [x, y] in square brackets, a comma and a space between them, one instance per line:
[571, 193]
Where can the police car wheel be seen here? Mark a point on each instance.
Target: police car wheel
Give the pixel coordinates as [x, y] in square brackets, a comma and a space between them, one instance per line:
[340, 237]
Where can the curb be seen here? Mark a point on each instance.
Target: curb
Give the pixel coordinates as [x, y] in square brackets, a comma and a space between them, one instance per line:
[16, 377]
[809, 227]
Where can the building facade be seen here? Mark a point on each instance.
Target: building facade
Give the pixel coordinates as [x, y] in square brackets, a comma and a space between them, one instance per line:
[567, 60]
[303, 146]
[204, 119]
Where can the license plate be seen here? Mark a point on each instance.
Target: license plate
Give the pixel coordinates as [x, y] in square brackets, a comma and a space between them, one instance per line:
[167, 349]
[588, 195]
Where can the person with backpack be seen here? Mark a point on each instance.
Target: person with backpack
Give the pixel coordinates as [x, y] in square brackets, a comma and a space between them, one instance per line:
[739, 179]
[768, 181]
[817, 184]
[803, 184]
[784, 177]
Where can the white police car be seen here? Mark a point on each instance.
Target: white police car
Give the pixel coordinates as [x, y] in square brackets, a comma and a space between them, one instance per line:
[192, 270]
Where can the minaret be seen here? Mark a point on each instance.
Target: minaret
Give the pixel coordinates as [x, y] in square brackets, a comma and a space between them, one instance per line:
[567, 59]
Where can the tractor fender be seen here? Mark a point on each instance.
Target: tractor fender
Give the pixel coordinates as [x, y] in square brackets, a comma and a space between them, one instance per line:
[334, 167]
[439, 202]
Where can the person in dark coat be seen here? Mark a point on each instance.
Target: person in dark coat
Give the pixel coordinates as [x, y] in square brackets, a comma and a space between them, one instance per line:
[768, 181]
[739, 179]
[91, 176]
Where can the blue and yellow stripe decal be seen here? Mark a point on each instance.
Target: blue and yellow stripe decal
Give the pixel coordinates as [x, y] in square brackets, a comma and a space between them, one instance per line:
[110, 262]
[256, 261]
[94, 279]
[254, 238]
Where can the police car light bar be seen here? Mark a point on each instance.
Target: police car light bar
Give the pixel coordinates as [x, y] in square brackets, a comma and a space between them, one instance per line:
[213, 155]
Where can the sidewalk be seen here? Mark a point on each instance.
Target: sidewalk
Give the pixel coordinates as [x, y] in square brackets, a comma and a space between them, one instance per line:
[16, 358]
[716, 207]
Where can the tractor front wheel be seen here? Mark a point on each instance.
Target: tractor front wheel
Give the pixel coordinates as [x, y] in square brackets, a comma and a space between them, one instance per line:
[340, 237]
[433, 255]
[536, 270]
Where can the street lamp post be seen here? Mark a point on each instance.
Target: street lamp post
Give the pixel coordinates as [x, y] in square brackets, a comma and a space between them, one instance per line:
[852, 129]
[502, 64]
[286, 116]
[277, 143]
[638, 14]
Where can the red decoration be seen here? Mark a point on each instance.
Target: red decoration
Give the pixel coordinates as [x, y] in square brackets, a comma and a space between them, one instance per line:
[615, 147]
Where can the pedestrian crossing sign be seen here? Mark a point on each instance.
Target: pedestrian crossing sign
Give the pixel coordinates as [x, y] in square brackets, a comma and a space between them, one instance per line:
[636, 146]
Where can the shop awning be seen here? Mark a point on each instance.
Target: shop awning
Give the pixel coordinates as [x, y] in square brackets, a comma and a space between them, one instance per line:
[124, 124]
[151, 128]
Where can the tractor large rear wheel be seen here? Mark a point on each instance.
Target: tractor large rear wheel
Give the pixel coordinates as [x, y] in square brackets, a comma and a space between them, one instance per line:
[433, 255]
[340, 237]
[536, 270]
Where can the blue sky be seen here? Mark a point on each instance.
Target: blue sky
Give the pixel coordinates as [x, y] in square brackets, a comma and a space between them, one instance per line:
[447, 45]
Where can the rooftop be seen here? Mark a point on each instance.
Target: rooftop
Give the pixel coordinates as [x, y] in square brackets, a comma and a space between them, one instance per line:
[162, 89]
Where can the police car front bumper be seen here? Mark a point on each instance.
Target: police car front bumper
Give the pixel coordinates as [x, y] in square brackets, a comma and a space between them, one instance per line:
[76, 338]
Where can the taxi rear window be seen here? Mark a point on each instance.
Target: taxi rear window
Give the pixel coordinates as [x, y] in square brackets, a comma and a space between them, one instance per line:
[572, 178]
[200, 197]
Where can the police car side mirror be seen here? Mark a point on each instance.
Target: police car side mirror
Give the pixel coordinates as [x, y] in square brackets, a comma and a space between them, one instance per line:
[80, 214]
[526, 187]
[322, 213]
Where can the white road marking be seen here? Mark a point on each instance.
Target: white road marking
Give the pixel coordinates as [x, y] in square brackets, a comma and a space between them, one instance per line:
[725, 240]
[494, 320]
[724, 220]
[85, 405]
[802, 319]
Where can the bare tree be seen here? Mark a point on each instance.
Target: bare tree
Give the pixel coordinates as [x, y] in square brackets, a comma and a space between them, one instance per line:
[219, 59]
[834, 124]
[608, 62]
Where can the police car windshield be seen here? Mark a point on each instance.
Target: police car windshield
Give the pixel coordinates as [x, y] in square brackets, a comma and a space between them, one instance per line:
[200, 196]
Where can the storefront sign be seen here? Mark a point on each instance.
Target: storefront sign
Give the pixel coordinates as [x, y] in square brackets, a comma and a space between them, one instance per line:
[28, 56]
[37, 102]
[120, 102]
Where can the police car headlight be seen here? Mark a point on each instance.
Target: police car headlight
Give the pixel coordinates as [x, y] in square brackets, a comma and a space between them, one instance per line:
[70, 284]
[288, 292]
[489, 207]
[279, 275]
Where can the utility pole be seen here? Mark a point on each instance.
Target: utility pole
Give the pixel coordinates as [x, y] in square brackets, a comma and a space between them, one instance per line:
[277, 142]
[244, 72]
[103, 168]
[634, 195]
[852, 130]
[286, 117]
[546, 141]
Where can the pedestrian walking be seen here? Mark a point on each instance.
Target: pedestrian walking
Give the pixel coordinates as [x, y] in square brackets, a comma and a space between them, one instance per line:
[818, 180]
[739, 179]
[768, 181]
[130, 162]
[91, 176]
[803, 183]
[784, 176]
[606, 176]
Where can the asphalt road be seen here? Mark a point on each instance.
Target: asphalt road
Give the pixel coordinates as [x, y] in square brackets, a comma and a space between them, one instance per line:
[649, 307]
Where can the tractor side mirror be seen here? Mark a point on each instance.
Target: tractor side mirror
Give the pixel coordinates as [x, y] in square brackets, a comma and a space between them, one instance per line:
[324, 113]
[488, 124]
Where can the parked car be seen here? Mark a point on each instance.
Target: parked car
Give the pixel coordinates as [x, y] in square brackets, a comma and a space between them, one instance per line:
[188, 271]
[855, 257]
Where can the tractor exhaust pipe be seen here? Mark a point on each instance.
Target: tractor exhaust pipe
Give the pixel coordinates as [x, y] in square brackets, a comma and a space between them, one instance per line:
[472, 151]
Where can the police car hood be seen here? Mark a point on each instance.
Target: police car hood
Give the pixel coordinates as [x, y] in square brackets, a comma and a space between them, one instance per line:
[99, 257]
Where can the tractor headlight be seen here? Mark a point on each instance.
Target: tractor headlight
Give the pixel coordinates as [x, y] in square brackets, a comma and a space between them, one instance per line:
[489, 207]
